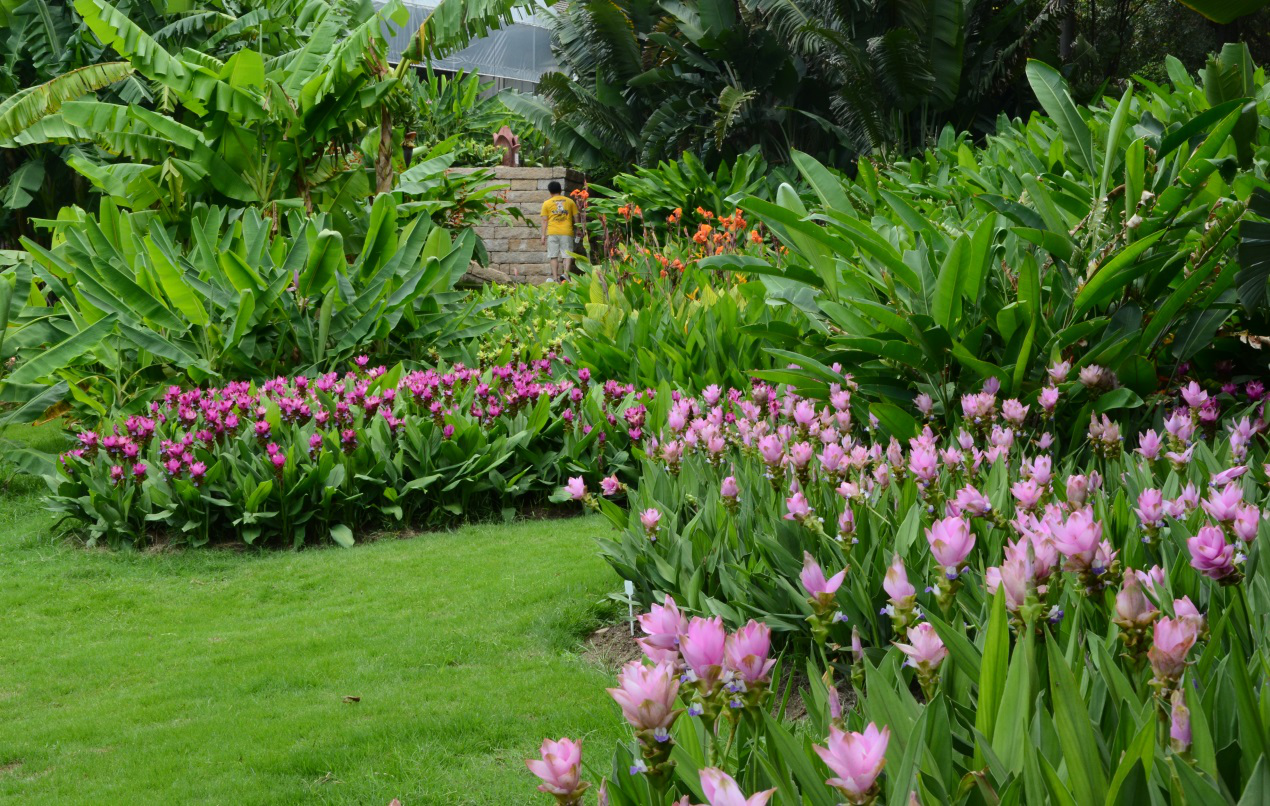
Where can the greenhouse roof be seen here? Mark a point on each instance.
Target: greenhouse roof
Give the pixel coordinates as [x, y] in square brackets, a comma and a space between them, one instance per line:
[520, 51]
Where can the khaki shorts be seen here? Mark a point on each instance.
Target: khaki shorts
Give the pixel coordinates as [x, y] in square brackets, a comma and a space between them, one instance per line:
[559, 246]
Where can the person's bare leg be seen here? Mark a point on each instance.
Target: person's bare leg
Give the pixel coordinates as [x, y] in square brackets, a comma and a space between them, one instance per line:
[555, 270]
[568, 267]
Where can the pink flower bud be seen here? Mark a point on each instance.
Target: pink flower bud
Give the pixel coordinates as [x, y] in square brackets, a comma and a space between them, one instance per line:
[576, 488]
[950, 542]
[647, 694]
[813, 579]
[559, 768]
[721, 790]
[662, 626]
[925, 650]
[896, 583]
[1171, 641]
[856, 760]
[745, 652]
[1211, 555]
[702, 649]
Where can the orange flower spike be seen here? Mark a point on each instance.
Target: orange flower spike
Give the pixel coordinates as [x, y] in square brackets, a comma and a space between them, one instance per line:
[755, 237]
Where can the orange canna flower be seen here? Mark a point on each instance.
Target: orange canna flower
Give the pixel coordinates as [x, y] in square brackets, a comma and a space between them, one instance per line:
[755, 237]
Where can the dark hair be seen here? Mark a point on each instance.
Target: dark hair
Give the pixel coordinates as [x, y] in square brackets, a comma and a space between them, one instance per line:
[553, 187]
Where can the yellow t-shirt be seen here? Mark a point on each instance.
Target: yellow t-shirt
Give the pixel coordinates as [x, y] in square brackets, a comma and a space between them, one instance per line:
[559, 211]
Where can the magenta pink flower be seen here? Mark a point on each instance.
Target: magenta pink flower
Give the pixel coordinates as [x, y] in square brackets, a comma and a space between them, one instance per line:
[1048, 398]
[925, 650]
[772, 449]
[649, 519]
[1150, 508]
[1077, 538]
[1149, 445]
[610, 486]
[798, 507]
[647, 694]
[1246, 523]
[721, 790]
[559, 768]
[1133, 608]
[1224, 506]
[1211, 555]
[972, 502]
[1171, 641]
[1014, 412]
[813, 579]
[1028, 493]
[576, 488]
[701, 646]
[745, 652]
[950, 542]
[856, 760]
[1194, 396]
[662, 626]
[896, 583]
[729, 488]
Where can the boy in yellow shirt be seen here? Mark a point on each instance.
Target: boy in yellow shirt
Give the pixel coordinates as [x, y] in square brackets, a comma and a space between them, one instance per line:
[558, 214]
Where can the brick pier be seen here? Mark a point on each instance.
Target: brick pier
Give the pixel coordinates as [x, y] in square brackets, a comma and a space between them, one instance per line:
[517, 244]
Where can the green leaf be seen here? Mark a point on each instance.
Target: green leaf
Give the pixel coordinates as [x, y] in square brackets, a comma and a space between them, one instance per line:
[1085, 773]
[993, 671]
[342, 535]
[63, 354]
[1051, 91]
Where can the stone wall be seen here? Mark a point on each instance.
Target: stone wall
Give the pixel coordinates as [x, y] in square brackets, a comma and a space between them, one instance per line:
[517, 245]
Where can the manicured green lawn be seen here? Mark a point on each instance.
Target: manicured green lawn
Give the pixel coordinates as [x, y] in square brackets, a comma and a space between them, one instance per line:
[221, 677]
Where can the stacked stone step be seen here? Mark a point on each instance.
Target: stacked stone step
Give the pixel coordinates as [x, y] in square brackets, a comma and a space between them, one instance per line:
[515, 247]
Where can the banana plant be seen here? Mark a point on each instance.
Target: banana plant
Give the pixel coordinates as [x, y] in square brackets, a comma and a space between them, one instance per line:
[118, 304]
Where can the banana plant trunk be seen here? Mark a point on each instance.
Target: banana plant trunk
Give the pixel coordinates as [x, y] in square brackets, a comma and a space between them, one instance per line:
[383, 161]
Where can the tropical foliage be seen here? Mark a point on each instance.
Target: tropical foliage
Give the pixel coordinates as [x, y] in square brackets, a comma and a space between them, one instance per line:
[1127, 238]
[119, 305]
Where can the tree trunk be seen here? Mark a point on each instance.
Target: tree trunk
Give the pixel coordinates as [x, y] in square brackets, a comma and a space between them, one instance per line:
[1067, 31]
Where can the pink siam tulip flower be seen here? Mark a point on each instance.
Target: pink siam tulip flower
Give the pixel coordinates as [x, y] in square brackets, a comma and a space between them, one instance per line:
[1016, 574]
[702, 649]
[647, 694]
[745, 652]
[801, 454]
[1046, 441]
[950, 542]
[1227, 476]
[1171, 641]
[1194, 396]
[923, 463]
[772, 449]
[1059, 371]
[559, 770]
[711, 394]
[1077, 538]
[924, 404]
[1149, 445]
[1028, 493]
[1039, 470]
[1048, 399]
[1091, 375]
[1225, 505]
[798, 507]
[721, 790]
[649, 519]
[1133, 608]
[1014, 412]
[822, 590]
[846, 523]
[1180, 426]
[1246, 523]
[833, 458]
[925, 650]
[662, 626]
[856, 760]
[1150, 509]
[896, 583]
[972, 502]
[610, 486]
[576, 488]
[978, 408]
[1211, 555]
[1184, 608]
[729, 488]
